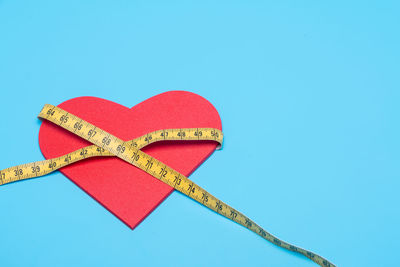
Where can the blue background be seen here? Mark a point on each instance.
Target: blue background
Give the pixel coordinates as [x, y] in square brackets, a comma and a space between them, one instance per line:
[316, 82]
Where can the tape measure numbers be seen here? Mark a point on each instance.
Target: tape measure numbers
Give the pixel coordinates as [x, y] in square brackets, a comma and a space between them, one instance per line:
[106, 144]
[40, 168]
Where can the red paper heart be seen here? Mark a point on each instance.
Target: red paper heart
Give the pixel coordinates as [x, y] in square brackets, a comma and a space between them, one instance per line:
[127, 192]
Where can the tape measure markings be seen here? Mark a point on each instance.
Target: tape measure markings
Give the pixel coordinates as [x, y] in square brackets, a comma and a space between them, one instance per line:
[130, 152]
[38, 168]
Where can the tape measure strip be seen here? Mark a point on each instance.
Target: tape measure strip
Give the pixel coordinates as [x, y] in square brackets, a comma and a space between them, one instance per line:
[40, 168]
[136, 157]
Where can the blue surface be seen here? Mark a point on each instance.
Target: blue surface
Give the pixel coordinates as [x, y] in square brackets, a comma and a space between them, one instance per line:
[316, 83]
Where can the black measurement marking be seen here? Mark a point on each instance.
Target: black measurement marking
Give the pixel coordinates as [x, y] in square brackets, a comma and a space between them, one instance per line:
[50, 112]
[309, 254]
[191, 189]
[67, 158]
[164, 134]
[163, 172]
[148, 138]
[18, 172]
[100, 149]
[106, 141]
[134, 144]
[35, 169]
[83, 152]
[78, 126]
[177, 180]
[121, 149]
[248, 223]
[149, 164]
[135, 156]
[262, 232]
[52, 164]
[218, 206]
[204, 197]
[91, 133]
[233, 214]
[64, 118]
[181, 134]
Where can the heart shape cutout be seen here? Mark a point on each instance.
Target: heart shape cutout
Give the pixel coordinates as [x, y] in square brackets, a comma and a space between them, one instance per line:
[126, 191]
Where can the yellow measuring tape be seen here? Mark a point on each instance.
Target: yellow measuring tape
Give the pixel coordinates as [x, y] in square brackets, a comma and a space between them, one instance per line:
[106, 144]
